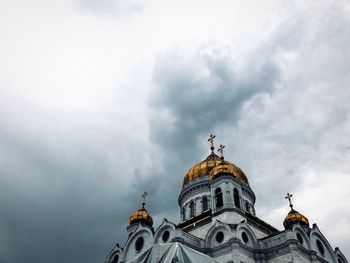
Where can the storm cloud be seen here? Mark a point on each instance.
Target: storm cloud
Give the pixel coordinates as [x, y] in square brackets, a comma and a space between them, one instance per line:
[195, 94]
[95, 111]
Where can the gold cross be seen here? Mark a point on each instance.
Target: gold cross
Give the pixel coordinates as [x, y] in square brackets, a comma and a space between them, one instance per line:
[221, 151]
[144, 199]
[289, 197]
[211, 142]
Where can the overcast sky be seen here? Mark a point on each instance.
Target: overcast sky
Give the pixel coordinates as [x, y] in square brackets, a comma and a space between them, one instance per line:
[101, 100]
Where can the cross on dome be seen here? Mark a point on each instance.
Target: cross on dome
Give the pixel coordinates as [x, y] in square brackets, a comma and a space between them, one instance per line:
[211, 142]
[289, 197]
[142, 214]
[293, 215]
[221, 151]
[144, 199]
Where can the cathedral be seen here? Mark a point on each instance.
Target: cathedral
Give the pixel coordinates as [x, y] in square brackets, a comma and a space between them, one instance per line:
[219, 224]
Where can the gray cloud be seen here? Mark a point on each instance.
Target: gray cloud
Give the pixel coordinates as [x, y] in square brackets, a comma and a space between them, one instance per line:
[69, 180]
[58, 193]
[196, 93]
[280, 112]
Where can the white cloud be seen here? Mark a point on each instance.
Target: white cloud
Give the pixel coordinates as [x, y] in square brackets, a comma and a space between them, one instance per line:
[76, 109]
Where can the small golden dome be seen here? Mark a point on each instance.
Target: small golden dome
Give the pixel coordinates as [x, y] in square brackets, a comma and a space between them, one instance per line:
[295, 217]
[205, 168]
[142, 216]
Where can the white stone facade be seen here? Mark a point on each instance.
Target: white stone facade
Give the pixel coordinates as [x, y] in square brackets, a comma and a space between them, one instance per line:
[225, 230]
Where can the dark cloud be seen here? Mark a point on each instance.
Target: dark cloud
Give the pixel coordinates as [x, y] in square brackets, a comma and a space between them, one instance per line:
[288, 132]
[276, 110]
[59, 195]
[196, 93]
[70, 180]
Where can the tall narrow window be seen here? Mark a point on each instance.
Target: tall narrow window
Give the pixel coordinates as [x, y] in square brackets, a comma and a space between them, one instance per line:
[247, 207]
[320, 247]
[183, 213]
[236, 198]
[115, 259]
[205, 203]
[192, 209]
[218, 198]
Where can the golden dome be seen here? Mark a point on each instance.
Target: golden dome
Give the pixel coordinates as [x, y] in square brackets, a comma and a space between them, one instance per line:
[205, 168]
[141, 216]
[226, 168]
[295, 217]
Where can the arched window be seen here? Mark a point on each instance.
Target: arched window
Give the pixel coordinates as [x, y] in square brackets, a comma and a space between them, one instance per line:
[183, 213]
[236, 198]
[247, 207]
[165, 235]
[192, 209]
[204, 203]
[115, 259]
[218, 198]
[245, 237]
[219, 237]
[139, 244]
[320, 247]
[300, 238]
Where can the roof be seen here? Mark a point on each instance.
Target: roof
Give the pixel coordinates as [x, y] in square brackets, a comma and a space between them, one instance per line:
[172, 252]
[213, 161]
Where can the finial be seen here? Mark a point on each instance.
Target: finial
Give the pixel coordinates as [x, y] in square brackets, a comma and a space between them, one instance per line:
[211, 142]
[289, 197]
[144, 199]
[221, 151]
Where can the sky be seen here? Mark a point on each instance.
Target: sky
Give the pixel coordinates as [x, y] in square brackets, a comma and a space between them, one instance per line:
[101, 100]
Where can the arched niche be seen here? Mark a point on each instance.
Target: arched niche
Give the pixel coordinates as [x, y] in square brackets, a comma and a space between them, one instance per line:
[246, 235]
[340, 258]
[218, 234]
[219, 198]
[132, 247]
[165, 233]
[298, 230]
[236, 197]
[320, 244]
[115, 256]
[205, 203]
[192, 208]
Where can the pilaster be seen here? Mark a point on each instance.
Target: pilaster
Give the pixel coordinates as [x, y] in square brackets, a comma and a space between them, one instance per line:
[313, 256]
[235, 250]
[293, 248]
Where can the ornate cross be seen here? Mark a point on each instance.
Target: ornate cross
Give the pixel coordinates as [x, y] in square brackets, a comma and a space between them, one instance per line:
[221, 151]
[211, 142]
[144, 199]
[289, 197]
